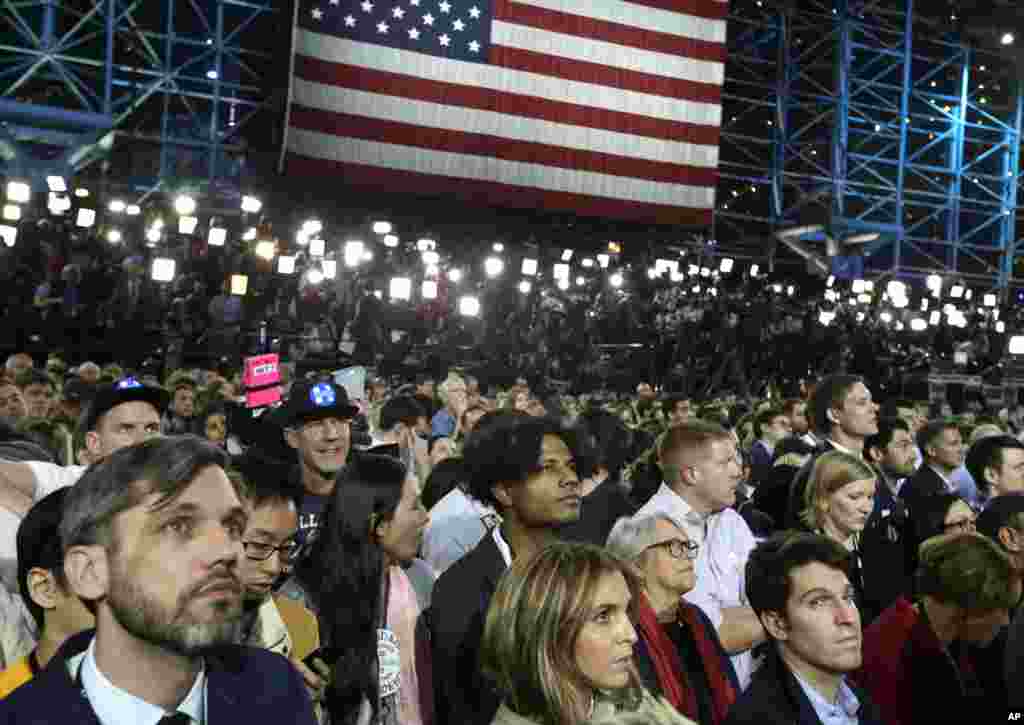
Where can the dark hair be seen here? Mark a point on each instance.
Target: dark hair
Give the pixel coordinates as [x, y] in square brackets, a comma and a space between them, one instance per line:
[34, 376]
[985, 453]
[342, 574]
[38, 545]
[932, 430]
[790, 404]
[891, 407]
[765, 417]
[830, 393]
[263, 485]
[165, 466]
[887, 427]
[930, 516]
[668, 405]
[401, 409]
[507, 448]
[607, 442]
[770, 564]
[444, 477]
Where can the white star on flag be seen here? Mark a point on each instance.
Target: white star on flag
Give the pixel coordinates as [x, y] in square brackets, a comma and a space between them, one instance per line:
[382, 28]
[474, 12]
[334, 2]
[414, 2]
[350, 22]
[459, 25]
[414, 34]
[398, 13]
[428, 19]
[474, 46]
[445, 40]
[367, 6]
[445, 6]
[318, 14]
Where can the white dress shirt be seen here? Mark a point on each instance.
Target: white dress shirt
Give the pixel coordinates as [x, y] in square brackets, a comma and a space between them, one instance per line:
[114, 706]
[458, 522]
[725, 544]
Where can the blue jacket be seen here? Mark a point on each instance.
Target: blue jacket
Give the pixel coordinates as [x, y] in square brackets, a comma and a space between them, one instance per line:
[243, 685]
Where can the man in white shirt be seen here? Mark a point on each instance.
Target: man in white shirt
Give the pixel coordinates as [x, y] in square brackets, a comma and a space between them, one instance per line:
[702, 472]
[120, 415]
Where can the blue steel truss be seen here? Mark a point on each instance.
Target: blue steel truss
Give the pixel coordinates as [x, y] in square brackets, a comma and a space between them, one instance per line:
[160, 90]
[865, 118]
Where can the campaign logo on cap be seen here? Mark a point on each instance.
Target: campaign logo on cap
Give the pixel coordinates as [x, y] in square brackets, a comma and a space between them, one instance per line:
[322, 395]
[127, 383]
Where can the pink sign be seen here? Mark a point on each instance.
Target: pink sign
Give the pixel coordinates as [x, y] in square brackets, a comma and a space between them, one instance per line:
[261, 378]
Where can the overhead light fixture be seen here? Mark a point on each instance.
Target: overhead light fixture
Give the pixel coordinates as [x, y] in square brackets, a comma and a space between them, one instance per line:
[57, 184]
[933, 282]
[9, 234]
[529, 267]
[429, 289]
[615, 280]
[934, 318]
[918, 324]
[858, 286]
[265, 249]
[382, 227]
[755, 269]
[12, 212]
[153, 235]
[249, 234]
[117, 206]
[791, 290]
[425, 244]
[455, 275]
[1000, 327]
[726, 265]
[990, 300]
[498, 247]
[368, 256]
[469, 306]
[312, 227]
[432, 270]
[705, 272]
[82, 193]
[587, 262]
[525, 287]
[286, 264]
[561, 271]
[825, 318]
[162, 270]
[239, 284]
[400, 288]
[580, 280]
[693, 270]
[885, 317]
[217, 236]
[895, 288]
[567, 255]
[390, 240]
[317, 247]
[185, 205]
[1007, 39]
[830, 281]
[251, 205]
[58, 203]
[956, 291]
[18, 192]
[430, 258]
[603, 260]
[86, 218]
[330, 268]
[187, 224]
[354, 249]
[114, 236]
[314, 276]
[493, 266]
[133, 210]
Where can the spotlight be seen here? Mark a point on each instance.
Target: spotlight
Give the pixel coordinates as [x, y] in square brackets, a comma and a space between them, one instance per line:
[725, 266]
[382, 227]
[455, 275]
[430, 258]
[567, 255]
[580, 281]
[432, 270]
[529, 267]
[12, 212]
[316, 247]
[153, 235]
[587, 262]
[286, 264]
[885, 317]
[18, 192]
[791, 290]
[934, 318]
[251, 205]
[825, 318]
[314, 276]
[400, 288]
[498, 247]
[187, 224]
[525, 287]
[1000, 327]
[603, 260]
[250, 234]
[354, 253]
[864, 298]
[695, 289]
[918, 325]
[9, 234]
[924, 305]
[114, 236]
[424, 245]
[57, 184]
[830, 281]
[956, 291]
[469, 306]
[391, 241]
[217, 236]
[693, 270]
[82, 193]
[239, 284]
[990, 300]
[133, 210]
[869, 286]
[1007, 39]
[900, 302]
[265, 250]
[330, 268]
[162, 270]
[117, 206]
[895, 288]
[615, 280]
[561, 271]
[57, 203]
[652, 273]
[858, 286]
[368, 256]
[312, 227]
[493, 266]
[755, 269]
[563, 284]
[705, 272]
[185, 205]
[933, 282]
[429, 289]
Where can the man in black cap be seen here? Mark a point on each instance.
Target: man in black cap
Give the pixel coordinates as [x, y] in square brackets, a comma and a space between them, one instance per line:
[317, 420]
[119, 415]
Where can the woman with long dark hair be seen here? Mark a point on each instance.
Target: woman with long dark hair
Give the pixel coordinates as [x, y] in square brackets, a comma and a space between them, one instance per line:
[367, 607]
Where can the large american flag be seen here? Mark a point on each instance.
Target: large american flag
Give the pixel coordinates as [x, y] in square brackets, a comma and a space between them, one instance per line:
[601, 107]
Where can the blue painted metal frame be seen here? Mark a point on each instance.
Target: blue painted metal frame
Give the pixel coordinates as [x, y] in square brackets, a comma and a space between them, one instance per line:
[192, 82]
[863, 117]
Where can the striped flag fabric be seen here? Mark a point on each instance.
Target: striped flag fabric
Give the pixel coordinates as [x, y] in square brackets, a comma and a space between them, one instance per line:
[607, 108]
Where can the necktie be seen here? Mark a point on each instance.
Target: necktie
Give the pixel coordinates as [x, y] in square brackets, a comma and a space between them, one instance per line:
[178, 718]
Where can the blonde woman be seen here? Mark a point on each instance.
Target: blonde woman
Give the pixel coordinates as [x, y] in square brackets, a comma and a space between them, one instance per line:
[558, 640]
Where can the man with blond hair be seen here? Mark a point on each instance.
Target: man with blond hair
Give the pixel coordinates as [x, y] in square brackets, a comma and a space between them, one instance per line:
[702, 471]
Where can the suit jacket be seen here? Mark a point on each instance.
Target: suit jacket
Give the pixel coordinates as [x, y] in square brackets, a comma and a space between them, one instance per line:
[243, 684]
[776, 698]
[926, 482]
[459, 609]
[883, 546]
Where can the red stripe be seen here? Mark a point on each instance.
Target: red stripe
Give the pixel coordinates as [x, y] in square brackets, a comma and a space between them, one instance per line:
[491, 193]
[604, 75]
[475, 144]
[609, 32]
[375, 81]
[704, 8]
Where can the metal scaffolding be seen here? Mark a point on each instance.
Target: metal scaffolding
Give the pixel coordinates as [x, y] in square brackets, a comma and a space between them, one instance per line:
[870, 130]
[159, 91]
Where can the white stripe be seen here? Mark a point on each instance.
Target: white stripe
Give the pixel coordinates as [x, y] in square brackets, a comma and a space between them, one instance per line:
[482, 168]
[406, 62]
[639, 16]
[588, 50]
[470, 120]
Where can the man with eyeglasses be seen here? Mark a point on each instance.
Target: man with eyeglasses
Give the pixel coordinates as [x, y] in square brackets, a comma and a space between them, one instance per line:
[678, 653]
[317, 423]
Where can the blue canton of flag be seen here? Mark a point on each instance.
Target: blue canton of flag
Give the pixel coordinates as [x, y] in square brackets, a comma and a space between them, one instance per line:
[322, 395]
[454, 29]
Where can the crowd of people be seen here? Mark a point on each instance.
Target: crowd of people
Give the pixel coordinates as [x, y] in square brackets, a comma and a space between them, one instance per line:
[441, 550]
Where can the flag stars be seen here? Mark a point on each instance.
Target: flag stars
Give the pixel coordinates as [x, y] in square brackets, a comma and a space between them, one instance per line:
[414, 34]
[474, 12]
[474, 46]
[334, 2]
[414, 3]
[445, 6]
[382, 28]
[367, 6]
[428, 19]
[459, 25]
[445, 40]
[318, 14]
[398, 13]
[350, 22]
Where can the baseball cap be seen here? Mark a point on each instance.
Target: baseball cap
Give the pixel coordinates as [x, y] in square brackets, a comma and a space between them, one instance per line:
[125, 390]
[38, 542]
[310, 399]
[998, 513]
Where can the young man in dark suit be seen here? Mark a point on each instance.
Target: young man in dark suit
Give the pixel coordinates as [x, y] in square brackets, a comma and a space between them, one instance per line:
[942, 448]
[152, 537]
[525, 468]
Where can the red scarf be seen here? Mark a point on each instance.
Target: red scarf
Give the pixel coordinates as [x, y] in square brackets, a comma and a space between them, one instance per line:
[669, 667]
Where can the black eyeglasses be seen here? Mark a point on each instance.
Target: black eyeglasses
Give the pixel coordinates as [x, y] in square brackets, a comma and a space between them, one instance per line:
[261, 552]
[679, 549]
